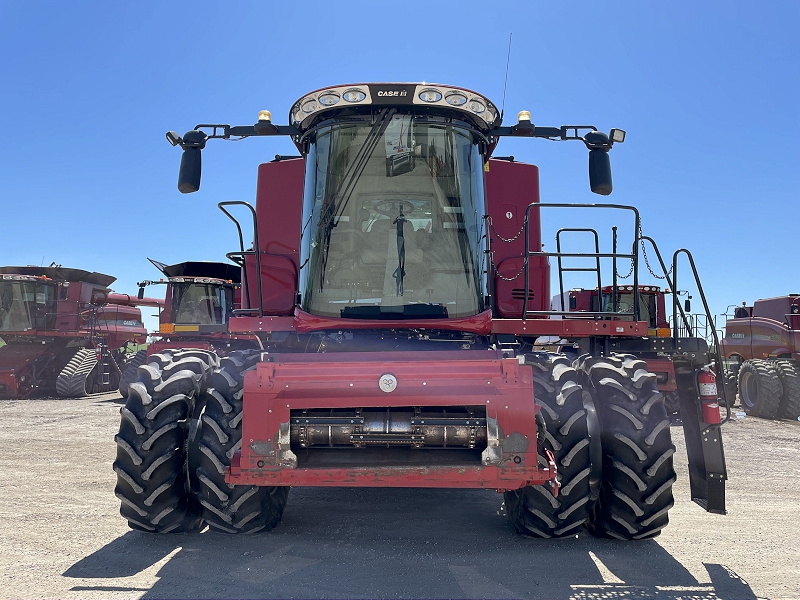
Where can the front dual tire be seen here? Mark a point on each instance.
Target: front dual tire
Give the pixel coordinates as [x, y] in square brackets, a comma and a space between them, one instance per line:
[609, 432]
[179, 428]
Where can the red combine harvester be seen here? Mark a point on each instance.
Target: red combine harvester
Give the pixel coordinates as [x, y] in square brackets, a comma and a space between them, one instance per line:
[652, 309]
[762, 344]
[200, 298]
[395, 280]
[65, 332]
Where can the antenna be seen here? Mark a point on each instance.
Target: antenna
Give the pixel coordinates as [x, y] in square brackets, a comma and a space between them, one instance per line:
[505, 83]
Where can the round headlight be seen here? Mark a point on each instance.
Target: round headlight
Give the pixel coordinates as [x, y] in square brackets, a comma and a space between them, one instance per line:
[476, 106]
[456, 99]
[430, 95]
[328, 99]
[309, 106]
[354, 95]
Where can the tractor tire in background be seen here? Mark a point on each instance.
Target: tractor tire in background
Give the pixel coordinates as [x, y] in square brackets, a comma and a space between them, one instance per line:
[760, 388]
[789, 373]
[130, 372]
[231, 508]
[572, 435]
[731, 383]
[152, 479]
[71, 381]
[636, 491]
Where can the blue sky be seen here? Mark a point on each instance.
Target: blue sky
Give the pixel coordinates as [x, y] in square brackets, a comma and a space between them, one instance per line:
[707, 91]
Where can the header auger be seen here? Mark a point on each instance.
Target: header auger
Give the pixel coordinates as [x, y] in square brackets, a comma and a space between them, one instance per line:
[396, 285]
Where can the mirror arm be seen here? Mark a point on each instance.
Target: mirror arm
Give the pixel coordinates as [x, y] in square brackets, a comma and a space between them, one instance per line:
[225, 132]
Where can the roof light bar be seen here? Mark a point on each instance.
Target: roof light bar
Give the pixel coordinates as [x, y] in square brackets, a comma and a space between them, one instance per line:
[396, 94]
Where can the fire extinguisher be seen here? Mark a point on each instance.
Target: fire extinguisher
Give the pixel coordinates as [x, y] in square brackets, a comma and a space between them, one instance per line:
[707, 383]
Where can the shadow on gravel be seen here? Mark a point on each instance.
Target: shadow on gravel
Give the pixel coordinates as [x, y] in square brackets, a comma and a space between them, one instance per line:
[366, 543]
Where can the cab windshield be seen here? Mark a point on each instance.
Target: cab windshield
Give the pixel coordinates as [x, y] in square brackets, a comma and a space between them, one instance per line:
[647, 306]
[392, 219]
[27, 305]
[201, 303]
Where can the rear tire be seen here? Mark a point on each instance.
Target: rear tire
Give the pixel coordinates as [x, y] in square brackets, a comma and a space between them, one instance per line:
[760, 388]
[636, 493]
[534, 510]
[789, 373]
[152, 479]
[231, 508]
[731, 384]
[130, 372]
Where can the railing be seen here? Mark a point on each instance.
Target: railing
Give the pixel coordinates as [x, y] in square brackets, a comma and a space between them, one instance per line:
[559, 255]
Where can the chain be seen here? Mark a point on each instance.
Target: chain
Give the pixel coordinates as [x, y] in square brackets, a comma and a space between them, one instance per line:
[646, 262]
[500, 237]
[496, 272]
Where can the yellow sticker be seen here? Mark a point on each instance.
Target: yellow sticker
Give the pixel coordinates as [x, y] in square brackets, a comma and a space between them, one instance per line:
[486, 166]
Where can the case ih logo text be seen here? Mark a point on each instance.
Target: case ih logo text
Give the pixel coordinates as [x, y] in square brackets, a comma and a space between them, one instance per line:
[397, 93]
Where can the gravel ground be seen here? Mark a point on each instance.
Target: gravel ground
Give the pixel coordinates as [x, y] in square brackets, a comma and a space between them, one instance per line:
[62, 537]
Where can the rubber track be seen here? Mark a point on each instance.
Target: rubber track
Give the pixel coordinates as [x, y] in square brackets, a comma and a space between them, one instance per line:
[769, 388]
[789, 372]
[131, 370]
[228, 508]
[71, 382]
[533, 509]
[636, 492]
[152, 482]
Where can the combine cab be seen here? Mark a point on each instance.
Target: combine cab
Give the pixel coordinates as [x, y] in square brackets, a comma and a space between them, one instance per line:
[396, 284]
[762, 344]
[65, 332]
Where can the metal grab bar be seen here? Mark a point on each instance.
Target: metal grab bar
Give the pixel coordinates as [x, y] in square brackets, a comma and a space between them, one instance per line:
[242, 252]
[676, 308]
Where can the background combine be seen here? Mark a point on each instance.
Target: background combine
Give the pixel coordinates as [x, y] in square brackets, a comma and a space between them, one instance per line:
[200, 298]
[64, 331]
[762, 344]
[396, 285]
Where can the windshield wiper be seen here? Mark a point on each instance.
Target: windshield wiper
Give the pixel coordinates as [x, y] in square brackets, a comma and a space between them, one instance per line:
[347, 184]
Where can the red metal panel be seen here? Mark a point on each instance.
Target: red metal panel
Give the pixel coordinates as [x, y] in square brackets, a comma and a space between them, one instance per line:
[666, 369]
[571, 328]
[510, 188]
[350, 380]
[304, 322]
[279, 207]
[257, 325]
[480, 323]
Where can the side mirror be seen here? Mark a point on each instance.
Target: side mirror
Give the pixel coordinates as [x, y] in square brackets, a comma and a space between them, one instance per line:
[573, 303]
[140, 295]
[687, 305]
[600, 172]
[191, 162]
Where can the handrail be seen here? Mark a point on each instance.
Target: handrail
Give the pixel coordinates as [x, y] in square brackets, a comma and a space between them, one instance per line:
[720, 375]
[633, 256]
[256, 250]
